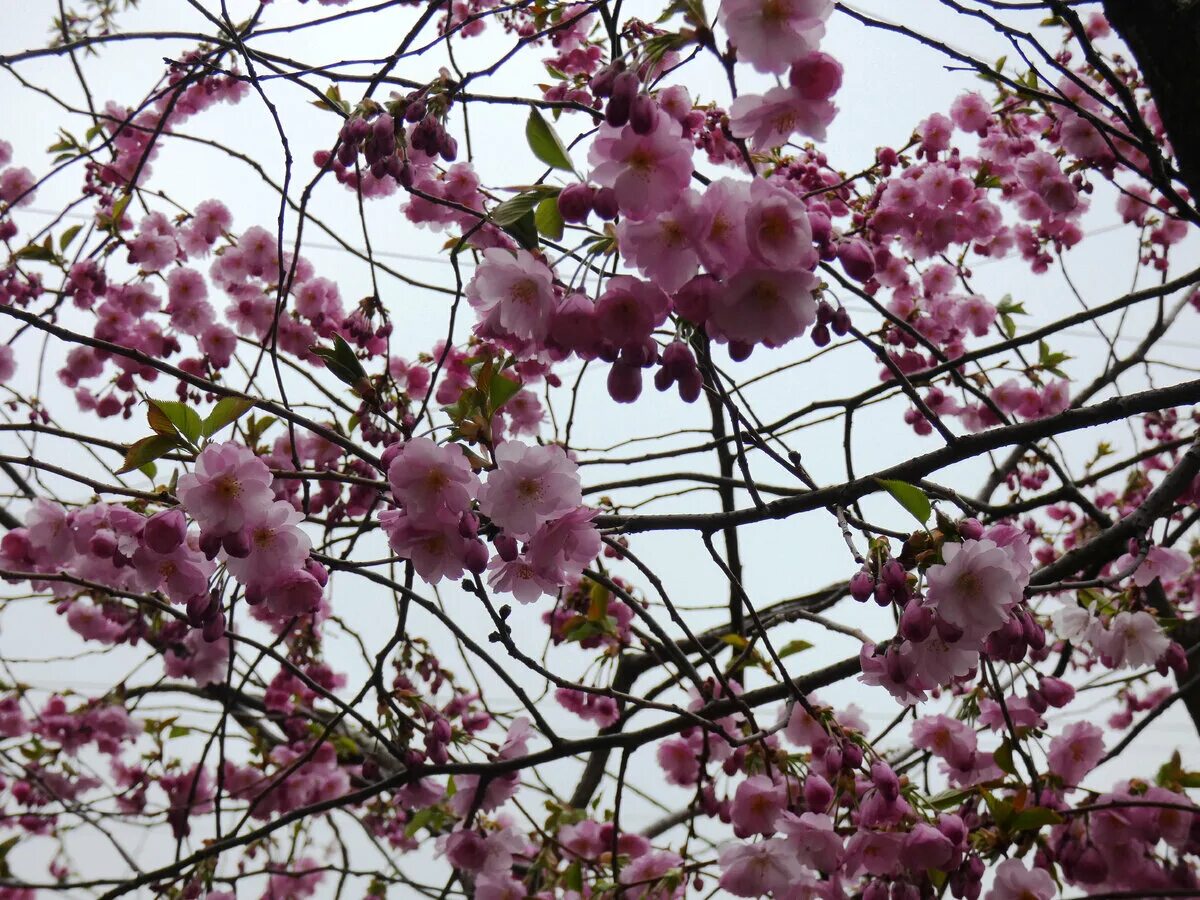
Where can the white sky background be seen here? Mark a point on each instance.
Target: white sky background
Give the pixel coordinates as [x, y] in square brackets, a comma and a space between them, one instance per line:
[890, 85]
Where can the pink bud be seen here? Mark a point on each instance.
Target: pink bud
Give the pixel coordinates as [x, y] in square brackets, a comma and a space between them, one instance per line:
[575, 202]
[214, 629]
[476, 557]
[691, 383]
[317, 571]
[620, 104]
[857, 259]
[237, 544]
[200, 609]
[1090, 868]
[970, 529]
[916, 622]
[210, 545]
[926, 847]
[506, 547]
[103, 544]
[164, 531]
[862, 585]
[885, 780]
[818, 793]
[947, 631]
[643, 114]
[816, 76]
[952, 827]
[624, 383]
[605, 204]
[468, 525]
[1057, 692]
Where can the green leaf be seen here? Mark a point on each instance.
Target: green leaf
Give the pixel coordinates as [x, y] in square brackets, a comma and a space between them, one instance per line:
[544, 142]
[948, 798]
[184, 419]
[147, 450]
[515, 208]
[67, 236]
[548, 219]
[1010, 307]
[573, 877]
[417, 822]
[1001, 810]
[342, 361]
[1034, 819]
[791, 648]
[525, 231]
[38, 252]
[118, 210]
[257, 427]
[1051, 360]
[909, 496]
[501, 390]
[1003, 757]
[227, 410]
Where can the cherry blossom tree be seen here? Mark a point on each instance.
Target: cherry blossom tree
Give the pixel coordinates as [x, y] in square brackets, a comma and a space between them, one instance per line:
[330, 609]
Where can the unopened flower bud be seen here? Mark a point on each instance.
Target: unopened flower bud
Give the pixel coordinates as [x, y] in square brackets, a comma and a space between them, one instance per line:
[643, 114]
[165, 531]
[605, 204]
[214, 629]
[575, 202]
[818, 793]
[476, 557]
[916, 622]
[862, 585]
[506, 547]
[237, 544]
[970, 529]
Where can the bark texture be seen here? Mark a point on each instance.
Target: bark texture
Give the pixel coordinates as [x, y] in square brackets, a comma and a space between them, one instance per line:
[1164, 37]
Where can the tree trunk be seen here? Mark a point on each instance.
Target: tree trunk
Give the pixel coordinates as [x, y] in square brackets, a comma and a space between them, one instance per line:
[1164, 36]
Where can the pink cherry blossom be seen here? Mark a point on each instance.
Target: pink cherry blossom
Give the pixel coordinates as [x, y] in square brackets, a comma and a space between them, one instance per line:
[432, 543]
[278, 546]
[814, 840]
[756, 805]
[521, 578]
[428, 478]
[228, 486]
[659, 246]
[976, 587]
[719, 226]
[529, 486]
[1076, 751]
[770, 34]
[561, 547]
[513, 294]
[1132, 639]
[765, 306]
[639, 876]
[678, 761]
[1165, 563]
[754, 870]
[1015, 882]
[8, 364]
[17, 186]
[647, 171]
[778, 233]
[770, 119]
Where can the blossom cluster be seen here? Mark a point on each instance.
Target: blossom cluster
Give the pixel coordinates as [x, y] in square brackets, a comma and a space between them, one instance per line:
[541, 534]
